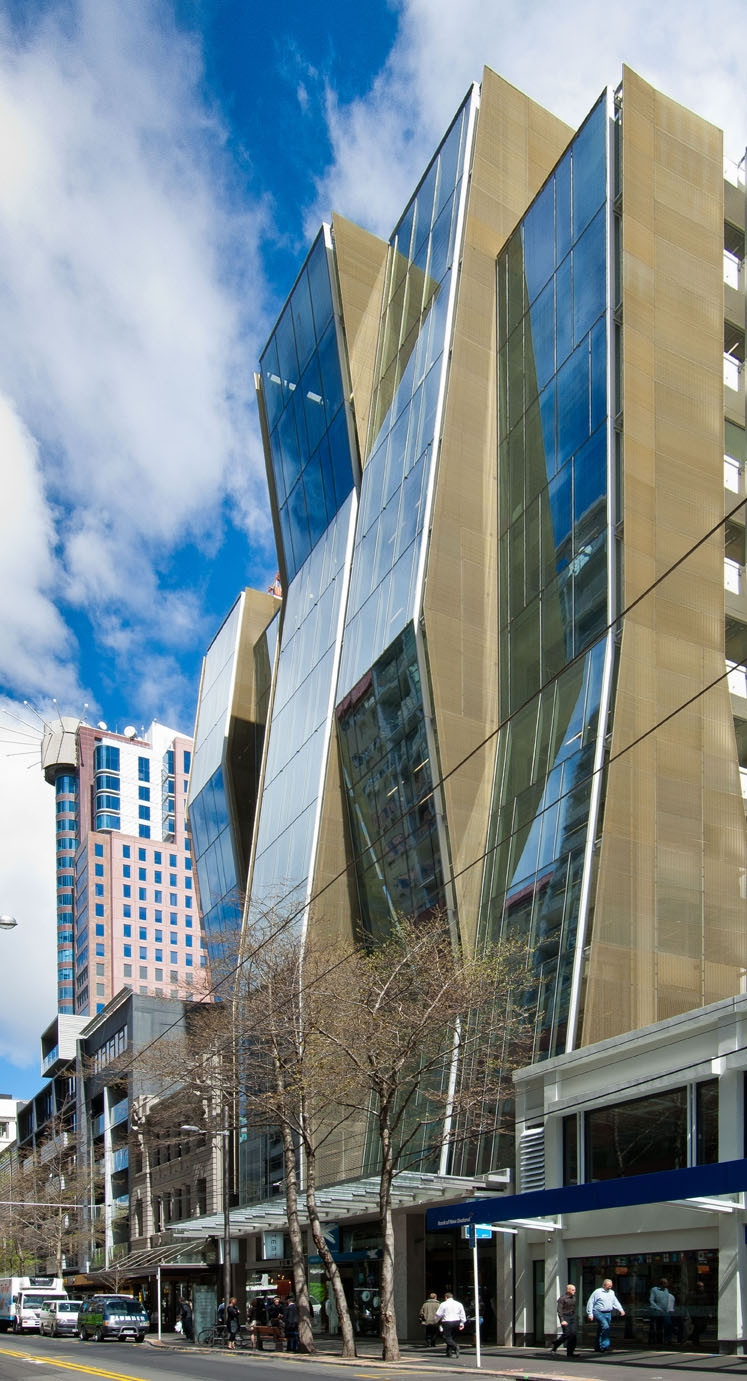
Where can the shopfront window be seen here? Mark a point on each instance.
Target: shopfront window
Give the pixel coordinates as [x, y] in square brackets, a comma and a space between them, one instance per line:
[570, 1150]
[706, 1122]
[638, 1137]
[692, 1279]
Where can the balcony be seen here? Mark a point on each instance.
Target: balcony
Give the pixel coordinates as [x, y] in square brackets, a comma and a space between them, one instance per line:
[119, 1113]
[120, 1159]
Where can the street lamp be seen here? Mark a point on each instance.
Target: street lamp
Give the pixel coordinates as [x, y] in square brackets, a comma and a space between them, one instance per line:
[189, 1127]
[8, 922]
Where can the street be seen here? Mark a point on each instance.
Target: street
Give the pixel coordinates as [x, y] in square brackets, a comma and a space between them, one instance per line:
[21, 1359]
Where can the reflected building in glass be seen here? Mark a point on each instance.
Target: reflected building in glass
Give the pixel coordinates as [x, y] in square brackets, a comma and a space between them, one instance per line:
[495, 449]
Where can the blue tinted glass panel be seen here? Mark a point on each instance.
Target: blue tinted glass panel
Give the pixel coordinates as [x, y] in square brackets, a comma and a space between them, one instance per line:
[573, 402]
[562, 208]
[329, 362]
[589, 272]
[541, 335]
[589, 169]
[303, 320]
[553, 520]
[302, 405]
[538, 232]
[598, 374]
[313, 404]
[563, 314]
[321, 295]
[449, 162]
[286, 352]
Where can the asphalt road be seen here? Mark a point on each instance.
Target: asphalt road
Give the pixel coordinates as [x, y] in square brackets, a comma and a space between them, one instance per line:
[63, 1359]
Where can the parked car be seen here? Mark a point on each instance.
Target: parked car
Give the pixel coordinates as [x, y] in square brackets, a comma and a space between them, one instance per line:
[58, 1316]
[112, 1316]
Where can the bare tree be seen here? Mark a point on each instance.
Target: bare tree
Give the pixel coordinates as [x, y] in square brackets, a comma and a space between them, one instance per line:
[301, 1085]
[432, 1036]
[48, 1191]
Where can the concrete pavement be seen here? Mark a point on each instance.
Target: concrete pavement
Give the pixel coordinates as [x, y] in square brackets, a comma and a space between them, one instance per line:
[524, 1363]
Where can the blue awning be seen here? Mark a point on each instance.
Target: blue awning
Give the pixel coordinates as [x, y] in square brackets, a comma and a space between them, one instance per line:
[694, 1182]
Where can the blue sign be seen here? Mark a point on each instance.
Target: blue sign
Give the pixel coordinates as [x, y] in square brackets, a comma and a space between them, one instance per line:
[476, 1232]
[693, 1181]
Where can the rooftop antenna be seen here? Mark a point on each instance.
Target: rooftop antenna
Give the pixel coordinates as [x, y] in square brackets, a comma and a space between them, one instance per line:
[34, 710]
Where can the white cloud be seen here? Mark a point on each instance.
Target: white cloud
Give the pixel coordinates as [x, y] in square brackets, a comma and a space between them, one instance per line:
[126, 270]
[27, 891]
[562, 56]
[36, 649]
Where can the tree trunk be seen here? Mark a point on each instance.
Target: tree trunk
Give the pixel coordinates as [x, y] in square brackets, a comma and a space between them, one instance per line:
[300, 1283]
[389, 1339]
[330, 1265]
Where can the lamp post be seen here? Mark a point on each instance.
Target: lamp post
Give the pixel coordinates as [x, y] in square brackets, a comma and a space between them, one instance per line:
[8, 922]
[188, 1127]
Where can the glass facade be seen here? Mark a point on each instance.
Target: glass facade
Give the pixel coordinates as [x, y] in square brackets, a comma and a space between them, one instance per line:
[311, 461]
[209, 820]
[411, 364]
[554, 520]
[388, 783]
[302, 705]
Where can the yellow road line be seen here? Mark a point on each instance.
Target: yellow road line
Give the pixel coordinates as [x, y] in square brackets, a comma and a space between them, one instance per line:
[72, 1366]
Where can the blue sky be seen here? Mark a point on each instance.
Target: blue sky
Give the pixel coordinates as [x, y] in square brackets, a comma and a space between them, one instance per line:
[166, 165]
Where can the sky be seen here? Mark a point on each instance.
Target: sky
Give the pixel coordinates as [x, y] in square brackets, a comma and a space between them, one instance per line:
[166, 164]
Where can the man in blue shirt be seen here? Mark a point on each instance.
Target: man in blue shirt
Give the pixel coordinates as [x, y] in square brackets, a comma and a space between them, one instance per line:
[601, 1305]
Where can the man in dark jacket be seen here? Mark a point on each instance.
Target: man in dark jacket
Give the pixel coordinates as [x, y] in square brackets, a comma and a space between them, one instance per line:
[290, 1313]
[567, 1318]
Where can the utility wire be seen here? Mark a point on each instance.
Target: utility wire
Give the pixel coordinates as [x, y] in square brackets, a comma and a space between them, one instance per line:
[299, 911]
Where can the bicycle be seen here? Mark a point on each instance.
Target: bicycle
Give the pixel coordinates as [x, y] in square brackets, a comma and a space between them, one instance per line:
[215, 1336]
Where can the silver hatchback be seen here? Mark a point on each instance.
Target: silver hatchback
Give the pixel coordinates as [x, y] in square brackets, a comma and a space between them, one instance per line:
[59, 1316]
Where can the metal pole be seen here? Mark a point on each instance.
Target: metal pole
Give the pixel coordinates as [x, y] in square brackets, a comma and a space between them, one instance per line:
[226, 1222]
[476, 1295]
[158, 1299]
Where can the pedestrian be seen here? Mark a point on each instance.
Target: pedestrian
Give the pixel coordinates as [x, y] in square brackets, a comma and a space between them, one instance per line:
[275, 1319]
[233, 1322]
[602, 1303]
[661, 1304]
[566, 1307]
[187, 1317]
[291, 1324]
[428, 1312]
[222, 1312]
[452, 1318]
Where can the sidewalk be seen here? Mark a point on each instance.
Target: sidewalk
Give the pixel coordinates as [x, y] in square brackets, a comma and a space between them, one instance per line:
[528, 1363]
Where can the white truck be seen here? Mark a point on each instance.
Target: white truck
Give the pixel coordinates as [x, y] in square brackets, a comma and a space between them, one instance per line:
[21, 1298]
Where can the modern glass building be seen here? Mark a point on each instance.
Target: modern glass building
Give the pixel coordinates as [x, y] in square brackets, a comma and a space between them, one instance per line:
[506, 452]
[495, 446]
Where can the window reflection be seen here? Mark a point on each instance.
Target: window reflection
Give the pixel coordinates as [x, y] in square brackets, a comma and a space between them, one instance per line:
[409, 372]
[387, 775]
[312, 465]
[553, 520]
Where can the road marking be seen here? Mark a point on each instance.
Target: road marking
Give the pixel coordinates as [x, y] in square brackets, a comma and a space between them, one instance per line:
[71, 1366]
